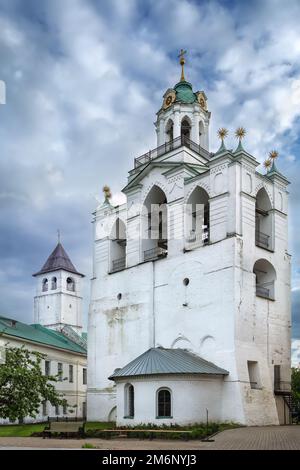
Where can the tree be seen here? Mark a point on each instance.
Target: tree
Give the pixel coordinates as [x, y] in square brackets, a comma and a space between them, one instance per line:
[23, 387]
[296, 386]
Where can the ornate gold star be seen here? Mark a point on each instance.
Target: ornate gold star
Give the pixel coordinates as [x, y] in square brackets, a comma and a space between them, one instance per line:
[222, 133]
[273, 154]
[240, 133]
[267, 163]
[107, 192]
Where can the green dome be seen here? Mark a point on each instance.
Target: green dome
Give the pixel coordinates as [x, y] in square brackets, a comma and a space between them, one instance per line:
[184, 92]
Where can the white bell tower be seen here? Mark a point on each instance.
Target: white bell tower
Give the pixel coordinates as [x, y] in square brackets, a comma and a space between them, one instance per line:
[183, 114]
[58, 300]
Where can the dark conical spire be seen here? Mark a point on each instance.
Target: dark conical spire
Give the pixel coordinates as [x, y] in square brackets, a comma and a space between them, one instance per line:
[59, 259]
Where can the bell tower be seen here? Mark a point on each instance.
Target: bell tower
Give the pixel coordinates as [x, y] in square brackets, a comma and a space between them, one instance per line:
[183, 114]
[58, 300]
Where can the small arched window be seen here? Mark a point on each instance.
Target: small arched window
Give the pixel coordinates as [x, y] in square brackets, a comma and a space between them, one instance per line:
[45, 285]
[265, 276]
[169, 131]
[118, 246]
[164, 405]
[185, 129]
[70, 284]
[201, 134]
[129, 401]
[54, 283]
[263, 220]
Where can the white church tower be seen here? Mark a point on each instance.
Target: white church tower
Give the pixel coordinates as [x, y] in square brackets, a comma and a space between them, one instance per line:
[190, 297]
[58, 300]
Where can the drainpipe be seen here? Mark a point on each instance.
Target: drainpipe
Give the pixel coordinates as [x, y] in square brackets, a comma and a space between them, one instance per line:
[153, 304]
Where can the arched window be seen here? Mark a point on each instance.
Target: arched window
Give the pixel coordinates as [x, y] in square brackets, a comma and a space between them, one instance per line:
[185, 129]
[129, 401]
[155, 225]
[70, 284]
[45, 285]
[265, 276]
[263, 220]
[169, 131]
[201, 134]
[197, 218]
[164, 405]
[118, 246]
[54, 283]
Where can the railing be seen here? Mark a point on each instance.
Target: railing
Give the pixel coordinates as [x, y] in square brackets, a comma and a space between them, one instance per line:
[167, 147]
[282, 386]
[197, 238]
[155, 253]
[265, 290]
[118, 264]
[262, 239]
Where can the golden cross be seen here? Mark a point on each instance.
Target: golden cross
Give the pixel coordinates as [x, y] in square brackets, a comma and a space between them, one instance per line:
[182, 62]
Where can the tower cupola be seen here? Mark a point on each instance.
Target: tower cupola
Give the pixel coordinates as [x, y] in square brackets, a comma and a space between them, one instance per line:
[183, 108]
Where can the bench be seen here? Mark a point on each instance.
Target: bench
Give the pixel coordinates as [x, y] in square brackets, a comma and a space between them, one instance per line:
[64, 428]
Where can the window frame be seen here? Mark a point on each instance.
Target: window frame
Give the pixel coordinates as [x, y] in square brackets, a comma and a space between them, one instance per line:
[164, 389]
[47, 368]
[84, 376]
[71, 373]
[60, 369]
[129, 401]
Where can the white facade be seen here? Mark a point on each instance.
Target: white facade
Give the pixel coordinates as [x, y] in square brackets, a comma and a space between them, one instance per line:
[60, 303]
[189, 400]
[226, 299]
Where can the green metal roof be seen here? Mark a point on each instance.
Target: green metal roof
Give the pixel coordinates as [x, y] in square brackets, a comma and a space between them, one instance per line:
[184, 92]
[38, 334]
[158, 361]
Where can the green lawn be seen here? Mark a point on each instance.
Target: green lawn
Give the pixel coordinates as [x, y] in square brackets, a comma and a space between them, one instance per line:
[26, 430]
[93, 429]
[21, 430]
[98, 425]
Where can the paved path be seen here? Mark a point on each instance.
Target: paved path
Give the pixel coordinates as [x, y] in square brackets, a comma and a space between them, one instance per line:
[268, 437]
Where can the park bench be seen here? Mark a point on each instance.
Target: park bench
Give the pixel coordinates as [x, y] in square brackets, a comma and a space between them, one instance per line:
[64, 428]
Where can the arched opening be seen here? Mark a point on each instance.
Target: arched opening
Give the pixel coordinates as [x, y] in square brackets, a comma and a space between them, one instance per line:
[265, 276]
[45, 285]
[169, 131]
[201, 134]
[129, 401]
[53, 283]
[185, 129]
[155, 225]
[118, 246]
[197, 218]
[70, 283]
[164, 403]
[263, 220]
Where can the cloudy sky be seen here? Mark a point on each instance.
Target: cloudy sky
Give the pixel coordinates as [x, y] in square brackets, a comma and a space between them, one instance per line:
[84, 79]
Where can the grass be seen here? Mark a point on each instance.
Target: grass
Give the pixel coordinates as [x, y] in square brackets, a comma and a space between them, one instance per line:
[96, 429]
[197, 430]
[91, 426]
[21, 430]
[88, 445]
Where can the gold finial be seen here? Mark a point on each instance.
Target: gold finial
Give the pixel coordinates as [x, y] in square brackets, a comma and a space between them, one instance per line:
[107, 192]
[240, 133]
[267, 164]
[222, 133]
[182, 62]
[273, 154]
